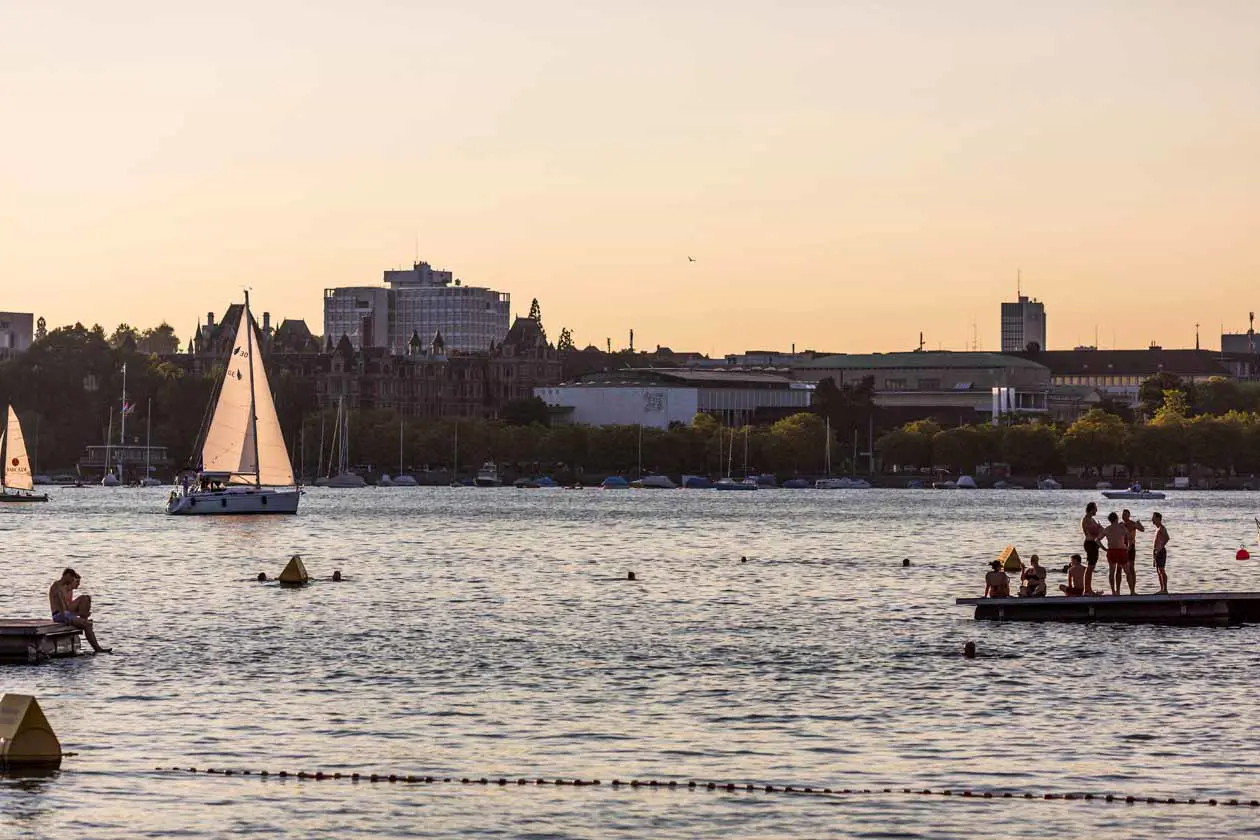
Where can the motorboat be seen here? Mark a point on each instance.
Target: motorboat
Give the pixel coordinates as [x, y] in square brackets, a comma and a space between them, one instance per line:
[766, 480]
[731, 484]
[245, 466]
[965, 482]
[15, 481]
[1134, 492]
[797, 484]
[488, 475]
[1048, 483]
[384, 480]
[150, 481]
[654, 482]
[525, 483]
[697, 482]
[614, 482]
[405, 481]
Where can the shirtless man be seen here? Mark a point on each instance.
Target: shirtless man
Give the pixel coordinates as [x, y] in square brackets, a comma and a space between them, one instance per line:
[1076, 578]
[66, 609]
[1131, 527]
[1033, 579]
[996, 583]
[1117, 537]
[1161, 551]
[1092, 530]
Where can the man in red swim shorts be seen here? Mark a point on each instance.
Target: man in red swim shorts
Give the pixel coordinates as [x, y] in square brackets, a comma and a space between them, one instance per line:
[1117, 537]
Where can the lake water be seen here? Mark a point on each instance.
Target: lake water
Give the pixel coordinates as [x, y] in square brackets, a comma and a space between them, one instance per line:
[492, 633]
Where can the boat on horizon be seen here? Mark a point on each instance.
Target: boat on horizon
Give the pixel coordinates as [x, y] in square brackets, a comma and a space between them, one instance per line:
[1134, 491]
[17, 464]
[488, 475]
[654, 482]
[244, 463]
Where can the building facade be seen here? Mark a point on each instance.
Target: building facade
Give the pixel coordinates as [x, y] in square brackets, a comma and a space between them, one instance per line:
[1023, 323]
[419, 301]
[17, 331]
[951, 386]
[657, 397]
[1119, 374]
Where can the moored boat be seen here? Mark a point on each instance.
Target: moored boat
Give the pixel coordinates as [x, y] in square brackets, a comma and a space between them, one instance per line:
[654, 482]
[244, 465]
[16, 476]
[1133, 492]
[488, 475]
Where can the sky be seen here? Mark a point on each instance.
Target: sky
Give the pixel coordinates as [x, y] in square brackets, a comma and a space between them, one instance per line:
[845, 173]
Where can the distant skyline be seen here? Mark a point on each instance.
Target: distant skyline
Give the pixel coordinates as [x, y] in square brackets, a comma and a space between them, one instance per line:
[845, 175]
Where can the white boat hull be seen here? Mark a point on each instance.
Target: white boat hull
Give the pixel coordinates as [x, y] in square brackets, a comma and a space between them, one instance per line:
[234, 501]
[1132, 494]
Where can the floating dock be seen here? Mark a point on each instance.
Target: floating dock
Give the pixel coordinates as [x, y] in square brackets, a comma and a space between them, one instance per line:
[1190, 608]
[36, 639]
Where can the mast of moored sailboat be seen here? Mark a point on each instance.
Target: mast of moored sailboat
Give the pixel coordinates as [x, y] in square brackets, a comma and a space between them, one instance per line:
[253, 417]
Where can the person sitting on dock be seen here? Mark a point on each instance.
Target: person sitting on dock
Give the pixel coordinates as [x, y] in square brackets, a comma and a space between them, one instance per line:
[71, 611]
[996, 583]
[1131, 526]
[1092, 531]
[1033, 579]
[1117, 537]
[1075, 578]
[1161, 551]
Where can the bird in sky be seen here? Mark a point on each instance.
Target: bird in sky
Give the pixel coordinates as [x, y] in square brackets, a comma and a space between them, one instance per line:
[691, 259]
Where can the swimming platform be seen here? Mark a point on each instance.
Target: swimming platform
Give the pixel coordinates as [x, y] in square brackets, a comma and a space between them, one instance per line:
[36, 639]
[1189, 608]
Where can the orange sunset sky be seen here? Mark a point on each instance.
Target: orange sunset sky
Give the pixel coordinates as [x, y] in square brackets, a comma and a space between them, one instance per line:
[846, 174]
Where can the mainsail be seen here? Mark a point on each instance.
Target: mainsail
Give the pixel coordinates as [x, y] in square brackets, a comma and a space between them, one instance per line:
[17, 466]
[234, 436]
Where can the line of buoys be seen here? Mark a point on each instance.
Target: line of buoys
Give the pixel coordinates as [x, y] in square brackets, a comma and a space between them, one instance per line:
[727, 787]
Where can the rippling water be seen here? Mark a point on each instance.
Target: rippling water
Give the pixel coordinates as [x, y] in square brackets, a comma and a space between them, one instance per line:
[493, 632]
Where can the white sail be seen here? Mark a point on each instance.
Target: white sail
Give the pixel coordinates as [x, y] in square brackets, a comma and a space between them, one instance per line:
[17, 466]
[230, 443]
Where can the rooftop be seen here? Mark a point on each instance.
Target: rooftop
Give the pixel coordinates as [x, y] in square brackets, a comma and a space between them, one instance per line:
[682, 377]
[1129, 362]
[917, 359]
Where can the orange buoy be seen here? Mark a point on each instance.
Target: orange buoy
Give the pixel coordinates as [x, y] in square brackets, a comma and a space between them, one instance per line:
[1242, 554]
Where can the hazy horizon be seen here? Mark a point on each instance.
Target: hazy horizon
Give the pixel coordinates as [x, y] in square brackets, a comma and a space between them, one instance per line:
[846, 175]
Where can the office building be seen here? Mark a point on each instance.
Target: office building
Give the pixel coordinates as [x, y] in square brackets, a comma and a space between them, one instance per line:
[1023, 324]
[17, 330]
[417, 302]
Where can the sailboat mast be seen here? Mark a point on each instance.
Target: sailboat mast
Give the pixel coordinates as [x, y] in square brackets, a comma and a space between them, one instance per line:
[827, 449]
[148, 432]
[745, 450]
[319, 460]
[122, 413]
[400, 441]
[253, 416]
[109, 439]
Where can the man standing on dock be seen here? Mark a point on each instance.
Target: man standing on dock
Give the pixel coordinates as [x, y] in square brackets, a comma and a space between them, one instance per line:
[1117, 537]
[1161, 551]
[1131, 527]
[71, 611]
[1092, 530]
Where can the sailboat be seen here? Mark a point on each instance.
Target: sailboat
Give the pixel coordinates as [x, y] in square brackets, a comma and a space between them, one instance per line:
[344, 479]
[401, 480]
[148, 480]
[844, 482]
[245, 464]
[729, 483]
[17, 466]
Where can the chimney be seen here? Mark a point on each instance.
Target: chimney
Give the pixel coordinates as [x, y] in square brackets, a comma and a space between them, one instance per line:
[210, 320]
[266, 323]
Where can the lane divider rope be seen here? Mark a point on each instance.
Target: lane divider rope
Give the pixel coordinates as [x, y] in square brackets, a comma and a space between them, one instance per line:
[726, 787]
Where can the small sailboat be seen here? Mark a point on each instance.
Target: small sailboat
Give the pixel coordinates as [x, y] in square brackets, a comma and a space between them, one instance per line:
[17, 465]
[344, 479]
[245, 464]
[402, 480]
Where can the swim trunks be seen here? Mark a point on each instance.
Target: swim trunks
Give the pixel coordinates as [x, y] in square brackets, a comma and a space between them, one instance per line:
[63, 617]
[1072, 592]
[1117, 556]
[1161, 557]
[1091, 552]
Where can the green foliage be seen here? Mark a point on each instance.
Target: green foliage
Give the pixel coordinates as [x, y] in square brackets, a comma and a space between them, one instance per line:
[1030, 448]
[525, 412]
[961, 448]
[905, 447]
[1095, 440]
[1151, 392]
[802, 439]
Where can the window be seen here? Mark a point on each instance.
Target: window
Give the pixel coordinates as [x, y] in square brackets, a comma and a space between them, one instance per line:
[929, 384]
[894, 384]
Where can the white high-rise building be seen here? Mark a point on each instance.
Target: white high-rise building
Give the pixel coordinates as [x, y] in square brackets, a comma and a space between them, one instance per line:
[418, 301]
[1023, 323]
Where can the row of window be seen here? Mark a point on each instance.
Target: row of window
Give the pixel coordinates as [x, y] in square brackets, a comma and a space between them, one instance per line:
[1101, 381]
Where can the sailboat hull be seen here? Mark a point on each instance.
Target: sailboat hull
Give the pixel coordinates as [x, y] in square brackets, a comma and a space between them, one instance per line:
[233, 501]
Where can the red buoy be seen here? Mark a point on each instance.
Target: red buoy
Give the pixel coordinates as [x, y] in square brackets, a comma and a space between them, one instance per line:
[1242, 554]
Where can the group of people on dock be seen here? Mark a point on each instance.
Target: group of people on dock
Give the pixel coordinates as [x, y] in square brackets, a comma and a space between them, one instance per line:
[1118, 536]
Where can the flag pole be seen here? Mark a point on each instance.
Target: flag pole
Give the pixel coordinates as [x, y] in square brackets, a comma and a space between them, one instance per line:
[122, 434]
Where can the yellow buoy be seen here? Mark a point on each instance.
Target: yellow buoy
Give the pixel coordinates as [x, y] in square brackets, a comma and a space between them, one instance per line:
[1010, 559]
[26, 737]
[295, 572]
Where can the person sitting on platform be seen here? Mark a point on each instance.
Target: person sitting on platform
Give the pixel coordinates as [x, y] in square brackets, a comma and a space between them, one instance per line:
[1076, 578]
[71, 611]
[1033, 579]
[996, 583]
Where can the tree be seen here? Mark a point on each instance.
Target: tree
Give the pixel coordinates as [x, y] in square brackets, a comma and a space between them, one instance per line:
[905, 448]
[1096, 439]
[1152, 391]
[535, 311]
[41, 329]
[525, 412]
[1031, 448]
[961, 448]
[802, 438]
[565, 343]
[160, 340]
[124, 335]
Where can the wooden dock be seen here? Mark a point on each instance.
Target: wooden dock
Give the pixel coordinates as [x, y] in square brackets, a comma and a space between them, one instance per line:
[36, 639]
[1190, 608]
